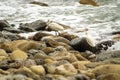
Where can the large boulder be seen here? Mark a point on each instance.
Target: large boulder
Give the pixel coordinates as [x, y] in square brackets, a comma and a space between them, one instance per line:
[88, 2]
[83, 44]
[33, 26]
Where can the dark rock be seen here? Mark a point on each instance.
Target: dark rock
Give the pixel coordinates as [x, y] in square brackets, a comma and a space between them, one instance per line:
[26, 28]
[39, 3]
[39, 35]
[36, 25]
[4, 24]
[82, 44]
[13, 30]
[104, 45]
[11, 36]
[115, 32]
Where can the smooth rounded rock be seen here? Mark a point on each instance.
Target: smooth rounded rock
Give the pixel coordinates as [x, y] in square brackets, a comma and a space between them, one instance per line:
[83, 44]
[18, 55]
[38, 69]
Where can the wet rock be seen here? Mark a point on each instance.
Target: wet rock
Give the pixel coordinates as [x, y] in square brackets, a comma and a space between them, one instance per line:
[18, 55]
[3, 53]
[88, 2]
[82, 44]
[109, 76]
[13, 30]
[35, 25]
[26, 28]
[38, 36]
[102, 46]
[115, 32]
[38, 69]
[4, 24]
[52, 26]
[68, 36]
[11, 36]
[66, 69]
[39, 3]
[107, 55]
[105, 69]
[81, 65]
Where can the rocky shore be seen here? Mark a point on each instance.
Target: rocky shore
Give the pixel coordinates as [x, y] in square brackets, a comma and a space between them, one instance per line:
[59, 56]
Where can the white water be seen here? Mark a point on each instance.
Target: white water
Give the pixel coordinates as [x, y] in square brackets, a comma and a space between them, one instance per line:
[99, 20]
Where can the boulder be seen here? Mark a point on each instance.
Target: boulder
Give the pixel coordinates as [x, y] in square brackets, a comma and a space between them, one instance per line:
[4, 24]
[88, 2]
[34, 26]
[53, 26]
[104, 45]
[83, 44]
[18, 55]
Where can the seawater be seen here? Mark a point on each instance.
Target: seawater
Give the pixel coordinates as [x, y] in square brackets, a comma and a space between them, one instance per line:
[98, 20]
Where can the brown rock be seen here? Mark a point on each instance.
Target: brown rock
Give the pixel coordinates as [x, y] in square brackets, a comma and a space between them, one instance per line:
[38, 69]
[38, 36]
[88, 2]
[68, 36]
[18, 55]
